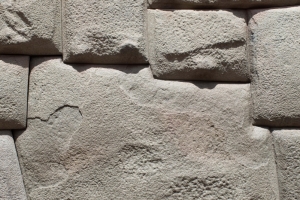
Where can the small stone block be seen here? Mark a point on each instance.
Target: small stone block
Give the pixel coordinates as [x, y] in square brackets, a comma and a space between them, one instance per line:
[13, 91]
[287, 148]
[104, 31]
[11, 181]
[30, 27]
[275, 66]
[198, 45]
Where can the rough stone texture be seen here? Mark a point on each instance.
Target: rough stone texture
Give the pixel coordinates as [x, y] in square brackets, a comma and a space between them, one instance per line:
[183, 4]
[104, 31]
[13, 91]
[11, 182]
[30, 27]
[275, 58]
[287, 146]
[198, 45]
[117, 133]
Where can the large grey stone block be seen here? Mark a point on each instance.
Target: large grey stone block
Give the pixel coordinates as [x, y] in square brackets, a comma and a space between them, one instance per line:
[114, 132]
[287, 147]
[11, 182]
[183, 4]
[275, 61]
[13, 91]
[198, 45]
[104, 31]
[30, 27]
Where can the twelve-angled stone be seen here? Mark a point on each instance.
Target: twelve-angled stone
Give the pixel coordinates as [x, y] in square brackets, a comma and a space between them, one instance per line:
[198, 45]
[13, 91]
[114, 132]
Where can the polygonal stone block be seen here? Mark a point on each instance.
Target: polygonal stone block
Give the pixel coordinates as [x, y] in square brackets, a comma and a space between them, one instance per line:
[275, 61]
[198, 45]
[117, 133]
[11, 182]
[183, 4]
[30, 27]
[287, 148]
[13, 91]
[104, 31]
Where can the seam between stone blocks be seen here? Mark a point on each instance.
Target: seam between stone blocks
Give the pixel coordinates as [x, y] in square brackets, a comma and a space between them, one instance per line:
[21, 169]
[61, 27]
[276, 167]
[12, 131]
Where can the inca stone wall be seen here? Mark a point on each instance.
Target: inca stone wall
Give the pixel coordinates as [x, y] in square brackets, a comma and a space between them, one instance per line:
[149, 100]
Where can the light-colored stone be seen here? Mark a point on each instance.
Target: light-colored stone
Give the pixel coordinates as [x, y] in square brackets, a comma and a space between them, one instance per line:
[275, 60]
[183, 4]
[13, 91]
[104, 31]
[114, 132]
[287, 148]
[11, 182]
[30, 27]
[198, 45]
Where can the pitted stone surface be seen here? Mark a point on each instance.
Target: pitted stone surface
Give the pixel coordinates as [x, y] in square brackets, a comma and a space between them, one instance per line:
[13, 91]
[198, 45]
[11, 182]
[114, 132]
[30, 27]
[287, 146]
[275, 60]
[183, 4]
[104, 31]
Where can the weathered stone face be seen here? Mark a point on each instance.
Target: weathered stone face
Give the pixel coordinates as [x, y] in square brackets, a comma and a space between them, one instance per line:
[219, 3]
[275, 58]
[146, 129]
[287, 147]
[198, 45]
[104, 31]
[11, 182]
[117, 133]
[30, 27]
[13, 91]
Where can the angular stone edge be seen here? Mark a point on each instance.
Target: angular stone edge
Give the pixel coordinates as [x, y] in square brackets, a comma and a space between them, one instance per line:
[285, 140]
[11, 175]
[258, 133]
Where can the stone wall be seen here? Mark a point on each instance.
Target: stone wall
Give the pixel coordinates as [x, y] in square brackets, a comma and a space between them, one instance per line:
[150, 100]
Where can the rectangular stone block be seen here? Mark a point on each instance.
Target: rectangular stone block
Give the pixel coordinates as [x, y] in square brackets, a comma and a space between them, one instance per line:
[194, 4]
[30, 27]
[13, 91]
[104, 31]
[275, 66]
[11, 182]
[287, 147]
[115, 132]
[198, 45]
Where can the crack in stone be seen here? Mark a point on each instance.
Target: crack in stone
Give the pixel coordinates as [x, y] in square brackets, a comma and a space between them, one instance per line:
[57, 110]
[221, 45]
